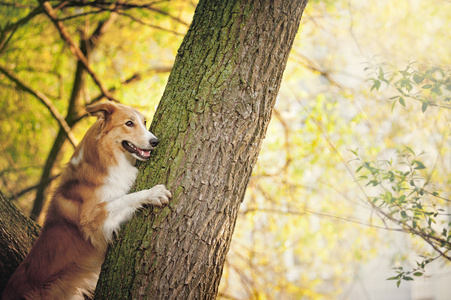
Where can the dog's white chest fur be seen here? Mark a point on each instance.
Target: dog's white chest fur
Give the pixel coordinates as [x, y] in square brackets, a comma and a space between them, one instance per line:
[119, 180]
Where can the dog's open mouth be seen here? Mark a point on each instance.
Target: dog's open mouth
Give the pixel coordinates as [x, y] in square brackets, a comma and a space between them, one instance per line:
[142, 154]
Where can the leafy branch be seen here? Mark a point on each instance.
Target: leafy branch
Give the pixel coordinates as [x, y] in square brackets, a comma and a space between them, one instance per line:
[405, 198]
[435, 89]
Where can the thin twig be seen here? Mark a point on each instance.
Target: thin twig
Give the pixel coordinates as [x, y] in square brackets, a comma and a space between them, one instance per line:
[14, 26]
[135, 77]
[114, 7]
[148, 24]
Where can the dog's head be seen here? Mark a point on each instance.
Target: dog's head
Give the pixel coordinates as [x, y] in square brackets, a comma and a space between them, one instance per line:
[123, 128]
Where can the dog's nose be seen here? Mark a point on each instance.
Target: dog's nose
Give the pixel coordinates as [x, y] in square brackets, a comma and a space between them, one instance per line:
[154, 142]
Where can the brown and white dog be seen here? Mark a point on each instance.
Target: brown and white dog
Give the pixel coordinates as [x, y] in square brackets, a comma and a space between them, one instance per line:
[89, 206]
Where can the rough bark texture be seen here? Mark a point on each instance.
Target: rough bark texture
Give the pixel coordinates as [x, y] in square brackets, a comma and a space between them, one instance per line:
[17, 235]
[211, 121]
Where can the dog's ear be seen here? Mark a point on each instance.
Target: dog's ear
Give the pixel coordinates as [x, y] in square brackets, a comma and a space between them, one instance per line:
[102, 110]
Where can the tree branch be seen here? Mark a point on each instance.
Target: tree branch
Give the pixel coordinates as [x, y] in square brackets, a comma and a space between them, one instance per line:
[148, 24]
[17, 234]
[86, 47]
[114, 7]
[74, 48]
[46, 101]
[30, 188]
[14, 26]
[15, 4]
[148, 6]
[135, 77]
[312, 66]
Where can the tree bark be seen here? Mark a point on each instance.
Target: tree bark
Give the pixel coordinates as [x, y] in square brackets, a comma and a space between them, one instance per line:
[17, 235]
[211, 122]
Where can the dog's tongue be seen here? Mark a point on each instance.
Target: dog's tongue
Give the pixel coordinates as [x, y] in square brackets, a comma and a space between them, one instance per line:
[144, 153]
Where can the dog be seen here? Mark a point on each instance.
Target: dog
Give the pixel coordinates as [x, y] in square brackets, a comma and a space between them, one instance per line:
[88, 207]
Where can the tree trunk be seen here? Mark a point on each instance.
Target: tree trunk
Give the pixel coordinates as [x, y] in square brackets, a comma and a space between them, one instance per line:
[211, 122]
[17, 235]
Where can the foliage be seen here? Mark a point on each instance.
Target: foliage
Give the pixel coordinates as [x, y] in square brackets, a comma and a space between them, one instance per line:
[430, 86]
[407, 195]
[409, 200]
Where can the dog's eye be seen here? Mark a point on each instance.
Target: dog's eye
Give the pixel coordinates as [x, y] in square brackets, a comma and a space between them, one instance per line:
[145, 123]
[129, 124]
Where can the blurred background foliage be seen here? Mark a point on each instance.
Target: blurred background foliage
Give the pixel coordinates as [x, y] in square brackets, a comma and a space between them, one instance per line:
[366, 92]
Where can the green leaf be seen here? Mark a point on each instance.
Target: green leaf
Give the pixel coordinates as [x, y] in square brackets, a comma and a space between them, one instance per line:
[381, 74]
[419, 164]
[401, 101]
[404, 73]
[436, 89]
[402, 199]
[355, 152]
[405, 83]
[427, 86]
[403, 214]
[376, 85]
[418, 274]
[388, 195]
[393, 106]
[410, 150]
[407, 278]
[418, 78]
[424, 106]
[373, 182]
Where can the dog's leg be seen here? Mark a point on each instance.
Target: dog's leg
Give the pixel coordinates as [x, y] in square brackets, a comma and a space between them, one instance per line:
[122, 209]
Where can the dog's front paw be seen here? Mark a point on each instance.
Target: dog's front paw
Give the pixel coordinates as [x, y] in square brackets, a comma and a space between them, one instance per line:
[159, 195]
